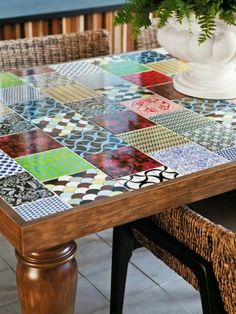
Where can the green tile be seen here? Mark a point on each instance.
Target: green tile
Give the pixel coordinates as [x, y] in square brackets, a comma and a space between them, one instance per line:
[121, 68]
[53, 164]
[8, 79]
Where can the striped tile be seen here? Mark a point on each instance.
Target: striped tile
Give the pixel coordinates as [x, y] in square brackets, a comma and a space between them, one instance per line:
[170, 66]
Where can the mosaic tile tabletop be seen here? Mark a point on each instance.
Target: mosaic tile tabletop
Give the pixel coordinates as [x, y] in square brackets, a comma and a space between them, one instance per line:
[79, 132]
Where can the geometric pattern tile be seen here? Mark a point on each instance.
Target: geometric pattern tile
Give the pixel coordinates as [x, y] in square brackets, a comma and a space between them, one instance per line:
[146, 178]
[63, 124]
[39, 108]
[124, 92]
[214, 137]
[226, 117]
[53, 163]
[48, 80]
[27, 143]
[149, 78]
[123, 67]
[181, 121]
[122, 162]
[145, 56]
[32, 71]
[85, 187]
[123, 121]
[96, 106]
[150, 106]
[8, 166]
[170, 66]
[228, 153]
[89, 142]
[70, 92]
[166, 90]
[19, 94]
[8, 79]
[153, 139]
[188, 158]
[22, 188]
[41, 208]
[77, 68]
[205, 106]
[13, 123]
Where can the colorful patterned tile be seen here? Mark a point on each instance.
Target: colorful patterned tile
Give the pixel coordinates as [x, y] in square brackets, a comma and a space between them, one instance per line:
[64, 124]
[119, 93]
[85, 187]
[122, 162]
[27, 143]
[214, 137]
[22, 188]
[97, 106]
[21, 93]
[77, 68]
[8, 79]
[53, 164]
[225, 117]
[153, 105]
[146, 178]
[48, 80]
[166, 90]
[181, 121]
[205, 106]
[148, 78]
[32, 71]
[13, 123]
[153, 139]
[122, 67]
[41, 208]
[39, 108]
[69, 93]
[8, 166]
[188, 158]
[170, 66]
[228, 153]
[144, 57]
[104, 60]
[91, 142]
[4, 111]
[123, 121]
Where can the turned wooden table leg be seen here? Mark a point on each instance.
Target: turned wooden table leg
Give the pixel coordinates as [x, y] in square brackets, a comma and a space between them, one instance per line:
[47, 280]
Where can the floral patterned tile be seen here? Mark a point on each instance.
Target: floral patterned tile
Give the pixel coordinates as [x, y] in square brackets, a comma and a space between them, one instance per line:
[188, 158]
[153, 139]
[53, 164]
[13, 123]
[169, 67]
[32, 71]
[75, 69]
[228, 153]
[181, 121]
[148, 78]
[39, 108]
[144, 57]
[19, 94]
[91, 142]
[122, 162]
[225, 117]
[151, 106]
[119, 93]
[48, 80]
[8, 79]
[27, 143]
[213, 137]
[96, 106]
[22, 188]
[8, 166]
[149, 177]
[166, 90]
[85, 187]
[123, 121]
[123, 67]
[64, 124]
[41, 208]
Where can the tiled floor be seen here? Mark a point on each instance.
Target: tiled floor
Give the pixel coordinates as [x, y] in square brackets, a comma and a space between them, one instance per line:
[152, 288]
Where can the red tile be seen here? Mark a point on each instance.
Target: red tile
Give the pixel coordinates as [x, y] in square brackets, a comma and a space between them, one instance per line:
[148, 78]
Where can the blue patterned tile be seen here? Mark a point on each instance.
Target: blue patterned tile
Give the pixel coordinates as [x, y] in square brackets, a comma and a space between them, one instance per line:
[8, 166]
[41, 208]
[145, 56]
[228, 153]
[188, 158]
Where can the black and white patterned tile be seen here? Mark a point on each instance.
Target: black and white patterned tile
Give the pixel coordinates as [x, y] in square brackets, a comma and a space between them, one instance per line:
[8, 166]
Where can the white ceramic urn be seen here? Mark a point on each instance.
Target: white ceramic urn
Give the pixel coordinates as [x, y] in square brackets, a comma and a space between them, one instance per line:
[213, 63]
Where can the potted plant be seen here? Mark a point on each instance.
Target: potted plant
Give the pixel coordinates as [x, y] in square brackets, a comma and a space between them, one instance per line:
[202, 32]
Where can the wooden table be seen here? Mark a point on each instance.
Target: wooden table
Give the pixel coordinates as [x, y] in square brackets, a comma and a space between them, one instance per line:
[128, 154]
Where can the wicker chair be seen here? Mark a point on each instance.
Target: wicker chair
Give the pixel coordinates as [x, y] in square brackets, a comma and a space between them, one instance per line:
[147, 39]
[191, 242]
[37, 51]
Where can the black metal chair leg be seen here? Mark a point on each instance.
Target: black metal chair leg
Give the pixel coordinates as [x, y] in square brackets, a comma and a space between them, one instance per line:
[123, 245]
